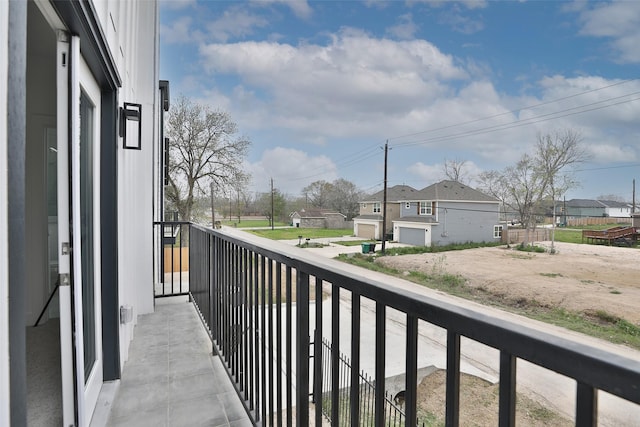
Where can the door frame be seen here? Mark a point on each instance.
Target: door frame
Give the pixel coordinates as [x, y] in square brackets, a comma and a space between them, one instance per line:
[88, 383]
[81, 18]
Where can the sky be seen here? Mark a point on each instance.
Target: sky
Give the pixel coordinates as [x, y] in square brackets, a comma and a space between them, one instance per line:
[320, 87]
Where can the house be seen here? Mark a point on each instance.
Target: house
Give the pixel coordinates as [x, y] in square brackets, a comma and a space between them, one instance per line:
[616, 209]
[368, 224]
[318, 218]
[447, 212]
[81, 109]
[579, 208]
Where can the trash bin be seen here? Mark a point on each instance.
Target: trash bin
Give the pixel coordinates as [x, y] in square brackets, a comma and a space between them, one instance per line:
[366, 247]
[372, 247]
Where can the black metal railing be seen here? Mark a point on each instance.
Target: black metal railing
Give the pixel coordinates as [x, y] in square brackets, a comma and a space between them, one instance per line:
[264, 308]
[172, 270]
[393, 405]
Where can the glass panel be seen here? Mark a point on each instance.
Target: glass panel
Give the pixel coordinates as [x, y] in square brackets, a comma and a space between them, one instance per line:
[87, 228]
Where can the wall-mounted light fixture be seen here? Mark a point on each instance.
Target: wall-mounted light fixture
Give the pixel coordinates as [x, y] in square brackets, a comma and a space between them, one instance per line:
[131, 126]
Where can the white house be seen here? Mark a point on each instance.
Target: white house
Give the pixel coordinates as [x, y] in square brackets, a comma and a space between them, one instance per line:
[616, 209]
[80, 129]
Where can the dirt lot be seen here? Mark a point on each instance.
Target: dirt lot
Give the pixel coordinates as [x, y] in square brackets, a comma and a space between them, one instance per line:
[582, 278]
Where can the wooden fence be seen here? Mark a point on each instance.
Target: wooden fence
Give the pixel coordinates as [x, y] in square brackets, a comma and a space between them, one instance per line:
[176, 259]
[518, 235]
[575, 222]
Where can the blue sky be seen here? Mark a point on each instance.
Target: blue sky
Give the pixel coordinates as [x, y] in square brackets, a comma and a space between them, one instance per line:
[319, 87]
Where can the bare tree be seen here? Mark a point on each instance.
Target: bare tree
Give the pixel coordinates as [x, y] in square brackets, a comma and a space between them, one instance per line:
[554, 153]
[491, 183]
[534, 177]
[204, 147]
[524, 185]
[455, 170]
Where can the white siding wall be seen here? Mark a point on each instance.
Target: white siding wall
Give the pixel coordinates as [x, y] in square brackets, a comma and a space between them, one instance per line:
[130, 28]
[4, 253]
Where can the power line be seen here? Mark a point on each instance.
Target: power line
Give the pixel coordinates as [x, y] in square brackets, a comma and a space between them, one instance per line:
[526, 122]
[516, 110]
[607, 167]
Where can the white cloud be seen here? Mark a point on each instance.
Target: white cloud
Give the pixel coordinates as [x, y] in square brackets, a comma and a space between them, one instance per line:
[619, 21]
[461, 23]
[357, 90]
[469, 4]
[177, 4]
[426, 173]
[339, 88]
[179, 31]
[290, 169]
[405, 29]
[611, 152]
[235, 22]
[300, 8]
[605, 102]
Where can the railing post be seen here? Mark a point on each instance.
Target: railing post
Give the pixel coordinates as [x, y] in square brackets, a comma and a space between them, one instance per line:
[289, 346]
[278, 307]
[212, 288]
[355, 359]
[335, 355]
[452, 416]
[507, 411]
[381, 337]
[586, 405]
[302, 349]
[317, 355]
[411, 378]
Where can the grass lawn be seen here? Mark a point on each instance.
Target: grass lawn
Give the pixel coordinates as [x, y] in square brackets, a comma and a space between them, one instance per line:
[306, 233]
[569, 235]
[574, 234]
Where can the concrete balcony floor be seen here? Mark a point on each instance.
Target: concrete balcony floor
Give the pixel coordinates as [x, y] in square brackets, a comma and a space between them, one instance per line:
[171, 377]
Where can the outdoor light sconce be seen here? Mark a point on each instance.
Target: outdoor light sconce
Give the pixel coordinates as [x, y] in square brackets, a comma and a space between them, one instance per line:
[131, 126]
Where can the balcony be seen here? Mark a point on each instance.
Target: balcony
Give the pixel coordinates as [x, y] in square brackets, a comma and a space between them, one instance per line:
[309, 341]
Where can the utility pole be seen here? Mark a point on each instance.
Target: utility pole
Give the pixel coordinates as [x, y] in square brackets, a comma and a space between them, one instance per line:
[384, 202]
[272, 210]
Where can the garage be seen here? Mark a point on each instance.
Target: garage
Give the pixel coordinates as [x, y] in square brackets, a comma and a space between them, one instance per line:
[414, 236]
[366, 231]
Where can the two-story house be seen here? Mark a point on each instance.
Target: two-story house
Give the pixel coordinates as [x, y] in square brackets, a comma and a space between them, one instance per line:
[368, 224]
[447, 212]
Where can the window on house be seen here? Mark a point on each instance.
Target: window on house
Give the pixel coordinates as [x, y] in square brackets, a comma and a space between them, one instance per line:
[497, 231]
[425, 208]
[376, 207]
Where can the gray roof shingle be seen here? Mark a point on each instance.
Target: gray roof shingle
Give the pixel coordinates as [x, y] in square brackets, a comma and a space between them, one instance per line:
[453, 190]
[395, 194]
